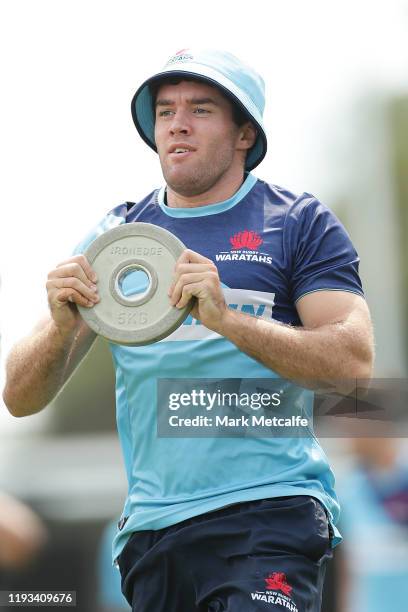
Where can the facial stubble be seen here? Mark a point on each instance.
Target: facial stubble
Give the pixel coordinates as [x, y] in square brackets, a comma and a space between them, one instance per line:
[196, 179]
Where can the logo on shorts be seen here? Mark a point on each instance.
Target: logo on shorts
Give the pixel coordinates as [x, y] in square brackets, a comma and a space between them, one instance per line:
[277, 592]
[244, 247]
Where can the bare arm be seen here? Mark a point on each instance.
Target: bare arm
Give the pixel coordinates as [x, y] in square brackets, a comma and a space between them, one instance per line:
[334, 344]
[39, 365]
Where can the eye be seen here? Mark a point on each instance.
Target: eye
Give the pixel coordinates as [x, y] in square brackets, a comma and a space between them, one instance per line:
[201, 111]
[164, 113]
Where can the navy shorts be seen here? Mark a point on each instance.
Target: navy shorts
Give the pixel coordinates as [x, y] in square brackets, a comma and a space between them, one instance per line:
[268, 554]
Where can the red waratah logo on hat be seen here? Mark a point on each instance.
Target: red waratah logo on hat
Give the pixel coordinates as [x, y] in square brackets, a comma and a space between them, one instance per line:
[181, 51]
[277, 581]
[246, 240]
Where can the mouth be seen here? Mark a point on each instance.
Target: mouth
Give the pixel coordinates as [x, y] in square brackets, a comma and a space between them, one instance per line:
[180, 151]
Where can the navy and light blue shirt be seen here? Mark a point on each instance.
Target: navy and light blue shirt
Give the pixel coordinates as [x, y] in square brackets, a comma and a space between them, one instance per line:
[271, 248]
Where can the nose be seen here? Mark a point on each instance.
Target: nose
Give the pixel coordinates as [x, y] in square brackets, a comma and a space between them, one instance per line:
[180, 123]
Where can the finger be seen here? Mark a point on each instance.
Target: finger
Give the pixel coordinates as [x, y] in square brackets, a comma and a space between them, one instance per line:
[71, 295]
[187, 279]
[72, 283]
[187, 268]
[189, 291]
[194, 267]
[82, 261]
[71, 269]
[184, 280]
[189, 256]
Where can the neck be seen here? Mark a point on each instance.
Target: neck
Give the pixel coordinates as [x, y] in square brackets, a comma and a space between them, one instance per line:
[222, 190]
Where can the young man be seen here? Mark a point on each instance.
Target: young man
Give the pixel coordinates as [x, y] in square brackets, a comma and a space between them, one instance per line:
[234, 524]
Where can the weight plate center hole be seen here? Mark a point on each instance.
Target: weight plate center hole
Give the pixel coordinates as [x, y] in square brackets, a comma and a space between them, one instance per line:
[133, 282]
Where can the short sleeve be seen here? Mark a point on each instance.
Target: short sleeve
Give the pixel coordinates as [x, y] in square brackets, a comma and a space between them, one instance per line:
[321, 253]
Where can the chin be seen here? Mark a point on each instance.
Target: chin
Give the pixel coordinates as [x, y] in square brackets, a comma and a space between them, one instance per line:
[186, 184]
[192, 183]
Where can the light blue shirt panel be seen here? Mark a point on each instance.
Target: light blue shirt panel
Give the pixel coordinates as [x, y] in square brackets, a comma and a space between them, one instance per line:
[170, 477]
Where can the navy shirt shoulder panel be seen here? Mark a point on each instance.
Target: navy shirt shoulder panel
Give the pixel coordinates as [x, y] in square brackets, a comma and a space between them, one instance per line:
[135, 209]
[320, 251]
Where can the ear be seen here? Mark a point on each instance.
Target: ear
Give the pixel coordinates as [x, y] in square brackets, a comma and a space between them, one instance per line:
[247, 135]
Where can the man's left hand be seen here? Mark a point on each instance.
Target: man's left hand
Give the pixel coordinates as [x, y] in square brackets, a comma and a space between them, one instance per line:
[196, 276]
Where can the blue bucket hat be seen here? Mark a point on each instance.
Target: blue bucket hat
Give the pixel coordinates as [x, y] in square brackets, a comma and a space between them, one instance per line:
[237, 81]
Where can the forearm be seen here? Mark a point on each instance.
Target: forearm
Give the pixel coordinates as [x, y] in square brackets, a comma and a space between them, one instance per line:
[39, 366]
[333, 352]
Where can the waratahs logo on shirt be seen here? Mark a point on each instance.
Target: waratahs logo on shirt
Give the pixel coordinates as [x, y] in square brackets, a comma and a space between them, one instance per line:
[278, 592]
[246, 239]
[278, 581]
[181, 56]
[245, 247]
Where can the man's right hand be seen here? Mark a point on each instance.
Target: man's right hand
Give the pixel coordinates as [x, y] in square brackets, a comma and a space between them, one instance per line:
[72, 282]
